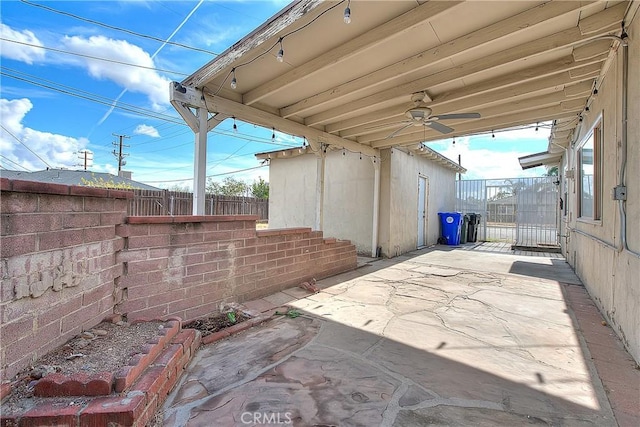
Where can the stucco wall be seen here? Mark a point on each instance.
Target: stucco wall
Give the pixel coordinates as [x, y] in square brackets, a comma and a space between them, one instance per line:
[593, 248]
[348, 195]
[403, 199]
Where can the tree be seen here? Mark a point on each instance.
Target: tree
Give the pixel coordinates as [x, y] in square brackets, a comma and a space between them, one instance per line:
[228, 187]
[260, 189]
[552, 171]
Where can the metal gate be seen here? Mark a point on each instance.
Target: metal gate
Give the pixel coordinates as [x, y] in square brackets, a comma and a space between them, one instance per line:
[522, 211]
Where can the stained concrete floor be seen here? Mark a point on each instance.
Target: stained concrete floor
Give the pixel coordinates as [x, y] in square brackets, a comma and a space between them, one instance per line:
[441, 336]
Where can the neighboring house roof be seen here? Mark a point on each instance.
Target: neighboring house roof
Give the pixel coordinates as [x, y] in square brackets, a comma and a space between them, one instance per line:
[421, 151]
[73, 177]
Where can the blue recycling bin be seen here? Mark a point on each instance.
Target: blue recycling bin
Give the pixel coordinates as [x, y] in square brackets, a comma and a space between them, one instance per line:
[451, 223]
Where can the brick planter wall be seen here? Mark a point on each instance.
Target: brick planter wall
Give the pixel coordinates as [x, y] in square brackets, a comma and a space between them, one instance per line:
[187, 266]
[70, 257]
[58, 265]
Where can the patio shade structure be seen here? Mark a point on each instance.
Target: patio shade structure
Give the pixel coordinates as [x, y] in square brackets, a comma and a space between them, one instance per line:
[470, 67]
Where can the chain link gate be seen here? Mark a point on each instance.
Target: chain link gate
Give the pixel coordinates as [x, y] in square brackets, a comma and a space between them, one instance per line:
[521, 211]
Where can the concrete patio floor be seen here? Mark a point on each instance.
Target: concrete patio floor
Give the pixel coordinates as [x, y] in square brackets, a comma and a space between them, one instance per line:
[442, 336]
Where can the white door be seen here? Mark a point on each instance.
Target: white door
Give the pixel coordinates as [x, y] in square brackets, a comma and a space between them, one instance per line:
[423, 191]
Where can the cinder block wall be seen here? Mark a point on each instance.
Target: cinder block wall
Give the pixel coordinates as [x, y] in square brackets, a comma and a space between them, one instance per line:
[187, 266]
[70, 257]
[58, 265]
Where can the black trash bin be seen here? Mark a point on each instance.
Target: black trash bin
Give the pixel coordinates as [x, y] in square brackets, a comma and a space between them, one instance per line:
[463, 233]
[472, 230]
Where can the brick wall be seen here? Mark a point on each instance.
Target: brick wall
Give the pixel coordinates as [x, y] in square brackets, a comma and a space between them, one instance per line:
[70, 257]
[187, 266]
[58, 265]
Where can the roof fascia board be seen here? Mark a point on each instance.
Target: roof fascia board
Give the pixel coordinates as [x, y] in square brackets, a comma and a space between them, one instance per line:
[266, 31]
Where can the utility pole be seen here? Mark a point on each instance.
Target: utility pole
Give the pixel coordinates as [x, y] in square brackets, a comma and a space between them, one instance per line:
[87, 158]
[119, 154]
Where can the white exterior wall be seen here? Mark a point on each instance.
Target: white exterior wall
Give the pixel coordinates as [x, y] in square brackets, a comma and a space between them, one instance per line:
[292, 192]
[399, 200]
[348, 196]
[594, 248]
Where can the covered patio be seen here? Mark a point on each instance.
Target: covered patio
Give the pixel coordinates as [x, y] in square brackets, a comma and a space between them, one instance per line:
[441, 336]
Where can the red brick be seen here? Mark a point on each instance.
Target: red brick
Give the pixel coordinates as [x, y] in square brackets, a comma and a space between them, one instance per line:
[17, 245]
[145, 242]
[276, 255]
[80, 316]
[170, 356]
[151, 381]
[78, 384]
[30, 223]
[18, 203]
[186, 239]
[5, 390]
[148, 265]
[149, 411]
[98, 234]
[60, 239]
[122, 411]
[121, 194]
[78, 190]
[13, 331]
[241, 234]
[39, 187]
[5, 184]
[50, 414]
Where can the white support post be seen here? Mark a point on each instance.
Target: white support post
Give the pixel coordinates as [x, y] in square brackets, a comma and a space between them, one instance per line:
[376, 207]
[320, 164]
[200, 162]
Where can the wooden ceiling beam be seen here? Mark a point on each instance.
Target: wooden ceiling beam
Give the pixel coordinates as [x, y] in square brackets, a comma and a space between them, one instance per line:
[368, 40]
[478, 126]
[534, 103]
[504, 28]
[562, 39]
[512, 79]
[249, 114]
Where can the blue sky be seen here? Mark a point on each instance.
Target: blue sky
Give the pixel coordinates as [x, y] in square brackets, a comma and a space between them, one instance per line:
[42, 126]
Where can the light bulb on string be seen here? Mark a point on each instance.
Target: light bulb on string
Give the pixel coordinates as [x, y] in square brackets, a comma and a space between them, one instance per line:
[536, 127]
[234, 82]
[493, 135]
[347, 13]
[235, 126]
[454, 141]
[273, 135]
[280, 56]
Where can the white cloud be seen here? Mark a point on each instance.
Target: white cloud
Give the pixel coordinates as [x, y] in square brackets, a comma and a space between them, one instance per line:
[56, 150]
[134, 79]
[17, 51]
[146, 130]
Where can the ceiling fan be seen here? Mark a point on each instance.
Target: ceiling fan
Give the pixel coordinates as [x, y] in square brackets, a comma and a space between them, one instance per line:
[420, 115]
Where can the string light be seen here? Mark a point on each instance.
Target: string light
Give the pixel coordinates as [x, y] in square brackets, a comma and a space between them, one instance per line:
[344, 152]
[347, 13]
[234, 82]
[273, 134]
[536, 126]
[360, 156]
[235, 126]
[454, 141]
[493, 135]
[280, 56]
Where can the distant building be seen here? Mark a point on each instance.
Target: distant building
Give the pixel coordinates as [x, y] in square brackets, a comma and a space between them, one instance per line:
[75, 177]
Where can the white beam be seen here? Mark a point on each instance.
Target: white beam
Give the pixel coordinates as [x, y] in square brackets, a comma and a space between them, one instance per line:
[320, 167]
[501, 122]
[376, 208]
[200, 162]
[259, 117]
[368, 40]
[506, 27]
[553, 42]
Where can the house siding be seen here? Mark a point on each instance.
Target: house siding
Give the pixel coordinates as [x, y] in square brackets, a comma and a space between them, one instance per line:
[594, 248]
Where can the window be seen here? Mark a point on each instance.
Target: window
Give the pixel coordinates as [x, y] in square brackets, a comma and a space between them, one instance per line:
[590, 180]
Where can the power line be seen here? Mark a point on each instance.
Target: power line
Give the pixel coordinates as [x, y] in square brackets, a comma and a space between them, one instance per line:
[113, 61]
[25, 146]
[112, 27]
[11, 161]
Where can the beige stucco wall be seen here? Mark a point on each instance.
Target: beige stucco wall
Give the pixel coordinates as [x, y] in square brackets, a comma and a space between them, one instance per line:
[348, 197]
[593, 248]
[399, 202]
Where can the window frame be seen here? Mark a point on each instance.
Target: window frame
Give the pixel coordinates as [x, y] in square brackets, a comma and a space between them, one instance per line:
[594, 134]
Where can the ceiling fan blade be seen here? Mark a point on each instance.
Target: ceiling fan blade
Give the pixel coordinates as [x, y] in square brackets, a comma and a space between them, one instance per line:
[397, 131]
[439, 127]
[456, 116]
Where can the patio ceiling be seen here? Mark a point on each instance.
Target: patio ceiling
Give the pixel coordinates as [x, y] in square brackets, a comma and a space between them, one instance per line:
[349, 85]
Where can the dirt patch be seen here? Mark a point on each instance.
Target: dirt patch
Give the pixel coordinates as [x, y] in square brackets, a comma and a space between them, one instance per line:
[216, 323]
[105, 348]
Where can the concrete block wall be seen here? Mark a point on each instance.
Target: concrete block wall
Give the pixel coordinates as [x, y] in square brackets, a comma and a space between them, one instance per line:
[187, 266]
[58, 265]
[70, 257]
